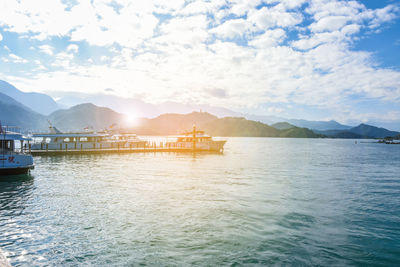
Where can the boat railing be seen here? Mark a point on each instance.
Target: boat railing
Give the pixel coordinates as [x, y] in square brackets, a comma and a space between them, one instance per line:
[14, 129]
[18, 151]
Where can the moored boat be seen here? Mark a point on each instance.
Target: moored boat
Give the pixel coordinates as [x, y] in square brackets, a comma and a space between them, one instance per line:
[56, 140]
[197, 141]
[13, 159]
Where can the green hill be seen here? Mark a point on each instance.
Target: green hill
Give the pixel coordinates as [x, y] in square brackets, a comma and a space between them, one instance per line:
[98, 118]
[85, 115]
[299, 133]
[172, 124]
[282, 125]
[239, 127]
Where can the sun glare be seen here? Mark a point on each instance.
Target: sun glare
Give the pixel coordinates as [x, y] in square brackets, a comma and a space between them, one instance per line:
[131, 119]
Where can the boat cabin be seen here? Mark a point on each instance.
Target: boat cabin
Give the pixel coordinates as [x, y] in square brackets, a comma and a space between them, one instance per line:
[199, 136]
[9, 142]
[13, 160]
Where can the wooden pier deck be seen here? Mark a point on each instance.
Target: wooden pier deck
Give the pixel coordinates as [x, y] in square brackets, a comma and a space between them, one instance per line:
[116, 150]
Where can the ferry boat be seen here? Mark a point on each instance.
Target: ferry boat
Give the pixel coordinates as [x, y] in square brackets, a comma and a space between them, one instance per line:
[56, 140]
[197, 140]
[13, 159]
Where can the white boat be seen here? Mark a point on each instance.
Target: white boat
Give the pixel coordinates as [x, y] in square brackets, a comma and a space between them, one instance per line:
[197, 140]
[128, 140]
[56, 140]
[13, 159]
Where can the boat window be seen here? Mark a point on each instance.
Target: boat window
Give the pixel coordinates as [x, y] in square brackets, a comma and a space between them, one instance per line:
[37, 139]
[7, 144]
[17, 145]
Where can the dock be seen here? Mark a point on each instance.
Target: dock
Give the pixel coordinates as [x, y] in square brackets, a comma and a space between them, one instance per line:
[57, 143]
[116, 150]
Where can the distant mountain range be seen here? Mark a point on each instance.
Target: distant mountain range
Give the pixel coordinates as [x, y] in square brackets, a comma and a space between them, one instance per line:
[141, 108]
[314, 125]
[38, 102]
[172, 124]
[319, 125]
[282, 125]
[85, 116]
[13, 113]
[98, 118]
[360, 131]
[30, 111]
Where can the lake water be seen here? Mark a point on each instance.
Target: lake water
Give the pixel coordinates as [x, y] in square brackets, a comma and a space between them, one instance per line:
[264, 201]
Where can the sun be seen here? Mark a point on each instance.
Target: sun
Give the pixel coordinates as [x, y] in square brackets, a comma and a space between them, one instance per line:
[131, 119]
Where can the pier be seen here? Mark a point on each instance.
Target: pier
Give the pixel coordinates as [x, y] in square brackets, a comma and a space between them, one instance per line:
[116, 150]
[57, 143]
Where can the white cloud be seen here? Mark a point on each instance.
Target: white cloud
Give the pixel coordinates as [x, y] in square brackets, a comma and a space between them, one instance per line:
[1, 37]
[268, 39]
[202, 7]
[266, 18]
[184, 31]
[275, 110]
[384, 15]
[17, 59]
[47, 49]
[233, 28]
[183, 53]
[330, 23]
[73, 48]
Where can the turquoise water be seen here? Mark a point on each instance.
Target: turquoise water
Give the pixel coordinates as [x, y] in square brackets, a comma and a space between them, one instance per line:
[264, 201]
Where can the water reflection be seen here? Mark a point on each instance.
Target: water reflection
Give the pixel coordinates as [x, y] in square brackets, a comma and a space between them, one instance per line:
[263, 202]
[15, 191]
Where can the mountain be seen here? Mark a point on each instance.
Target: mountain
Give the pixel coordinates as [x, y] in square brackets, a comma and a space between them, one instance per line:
[13, 113]
[85, 115]
[172, 124]
[299, 133]
[38, 102]
[372, 131]
[140, 108]
[349, 135]
[319, 125]
[78, 117]
[282, 125]
[314, 125]
[229, 126]
[360, 131]
[264, 119]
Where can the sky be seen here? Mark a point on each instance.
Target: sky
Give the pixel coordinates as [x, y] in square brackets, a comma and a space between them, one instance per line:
[309, 59]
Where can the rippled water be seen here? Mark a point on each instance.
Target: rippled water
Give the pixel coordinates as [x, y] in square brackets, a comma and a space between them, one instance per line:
[264, 201]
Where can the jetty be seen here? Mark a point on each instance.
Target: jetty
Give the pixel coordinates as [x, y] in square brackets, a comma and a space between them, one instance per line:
[57, 143]
[114, 150]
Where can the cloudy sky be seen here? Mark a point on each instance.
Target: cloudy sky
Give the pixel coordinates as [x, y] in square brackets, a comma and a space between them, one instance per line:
[311, 59]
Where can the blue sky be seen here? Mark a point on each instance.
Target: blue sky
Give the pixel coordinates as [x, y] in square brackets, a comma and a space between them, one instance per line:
[310, 59]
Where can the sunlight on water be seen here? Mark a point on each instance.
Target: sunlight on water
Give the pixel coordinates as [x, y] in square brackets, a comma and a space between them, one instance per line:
[264, 201]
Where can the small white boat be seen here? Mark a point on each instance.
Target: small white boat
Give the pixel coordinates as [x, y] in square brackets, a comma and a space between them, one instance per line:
[13, 159]
[197, 140]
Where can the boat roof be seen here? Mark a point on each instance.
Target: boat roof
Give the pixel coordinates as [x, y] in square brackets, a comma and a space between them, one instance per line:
[65, 135]
[191, 135]
[125, 134]
[13, 136]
